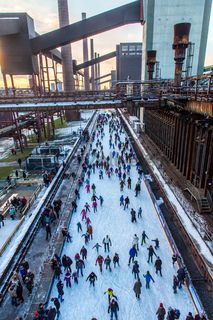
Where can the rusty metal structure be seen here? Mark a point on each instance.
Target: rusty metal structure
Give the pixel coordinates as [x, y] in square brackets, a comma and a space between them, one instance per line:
[151, 61]
[180, 44]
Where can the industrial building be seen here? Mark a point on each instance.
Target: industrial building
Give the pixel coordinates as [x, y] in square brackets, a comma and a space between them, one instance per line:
[160, 17]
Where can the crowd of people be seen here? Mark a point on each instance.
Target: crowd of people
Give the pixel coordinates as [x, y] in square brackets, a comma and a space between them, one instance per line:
[70, 270]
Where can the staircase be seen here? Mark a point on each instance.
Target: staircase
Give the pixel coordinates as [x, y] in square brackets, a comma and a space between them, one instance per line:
[204, 205]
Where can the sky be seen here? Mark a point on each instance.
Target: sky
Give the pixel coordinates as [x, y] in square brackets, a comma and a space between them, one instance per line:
[45, 15]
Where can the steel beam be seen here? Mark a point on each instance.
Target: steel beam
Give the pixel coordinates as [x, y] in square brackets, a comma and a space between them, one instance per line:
[92, 62]
[126, 14]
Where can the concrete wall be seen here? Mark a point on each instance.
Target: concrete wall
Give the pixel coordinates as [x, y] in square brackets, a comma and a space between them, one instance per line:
[160, 16]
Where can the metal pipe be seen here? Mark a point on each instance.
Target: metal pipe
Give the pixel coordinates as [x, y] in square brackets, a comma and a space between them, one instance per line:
[180, 44]
[85, 58]
[92, 67]
[151, 61]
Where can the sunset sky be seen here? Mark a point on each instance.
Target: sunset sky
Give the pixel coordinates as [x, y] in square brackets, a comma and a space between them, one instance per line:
[45, 15]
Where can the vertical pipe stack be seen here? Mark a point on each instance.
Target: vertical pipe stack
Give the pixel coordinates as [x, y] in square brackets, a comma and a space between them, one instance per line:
[85, 58]
[151, 61]
[180, 44]
[66, 54]
[92, 67]
[96, 72]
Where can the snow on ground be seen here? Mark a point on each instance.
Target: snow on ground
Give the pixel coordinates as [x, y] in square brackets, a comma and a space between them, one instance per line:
[7, 230]
[83, 302]
[5, 145]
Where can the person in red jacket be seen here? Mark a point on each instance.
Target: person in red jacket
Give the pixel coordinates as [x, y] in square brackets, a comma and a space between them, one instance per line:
[161, 312]
[100, 261]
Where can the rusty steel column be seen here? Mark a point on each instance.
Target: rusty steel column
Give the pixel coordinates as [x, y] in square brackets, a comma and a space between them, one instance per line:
[180, 44]
[99, 74]
[85, 58]
[151, 61]
[92, 67]
[66, 54]
[96, 72]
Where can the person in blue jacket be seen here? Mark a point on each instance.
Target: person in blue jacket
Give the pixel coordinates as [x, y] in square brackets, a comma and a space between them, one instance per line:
[132, 254]
[148, 279]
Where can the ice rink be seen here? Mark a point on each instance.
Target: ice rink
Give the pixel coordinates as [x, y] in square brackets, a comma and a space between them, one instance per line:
[83, 302]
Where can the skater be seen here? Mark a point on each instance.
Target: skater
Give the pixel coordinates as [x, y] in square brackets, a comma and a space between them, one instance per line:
[156, 241]
[87, 207]
[140, 213]
[181, 275]
[94, 205]
[90, 232]
[122, 184]
[137, 288]
[92, 278]
[121, 200]
[132, 254]
[111, 295]
[144, 237]
[148, 279]
[75, 277]
[79, 226]
[67, 279]
[150, 254]
[116, 260]
[175, 284]
[107, 262]
[161, 312]
[158, 266]
[97, 246]
[126, 201]
[56, 304]
[137, 189]
[48, 231]
[74, 206]
[189, 317]
[135, 270]
[106, 242]
[83, 214]
[100, 261]
[129, 183]
[113, 309]
[79, 266]
[171, 314]
[88, 221]
[1, 219]
[93, 188]
[83, 253]
[60, 288]
[87, 188]
[101, 199]
[133, 216]
[135, 242]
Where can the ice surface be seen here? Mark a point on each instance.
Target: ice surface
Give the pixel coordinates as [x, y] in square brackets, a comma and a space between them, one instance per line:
[83, 302]
[192, 231]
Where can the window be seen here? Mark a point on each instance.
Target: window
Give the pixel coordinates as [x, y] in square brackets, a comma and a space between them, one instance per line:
[139, 47]
[131, 48]
[125, 48]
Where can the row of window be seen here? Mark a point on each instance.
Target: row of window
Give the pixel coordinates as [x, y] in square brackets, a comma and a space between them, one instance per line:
[131, 47]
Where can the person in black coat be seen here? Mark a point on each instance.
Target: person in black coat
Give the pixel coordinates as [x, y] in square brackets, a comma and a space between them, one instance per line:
[151, 253]
[92, 278]
[135, 270]
[113, 308]
[158, 265]
[51, 314]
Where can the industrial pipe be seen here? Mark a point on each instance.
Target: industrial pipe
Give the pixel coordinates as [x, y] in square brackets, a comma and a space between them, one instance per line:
[180, 44]
[151, 61]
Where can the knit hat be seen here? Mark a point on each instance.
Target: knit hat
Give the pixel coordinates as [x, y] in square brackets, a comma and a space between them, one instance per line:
[161, 305]
[36, 314]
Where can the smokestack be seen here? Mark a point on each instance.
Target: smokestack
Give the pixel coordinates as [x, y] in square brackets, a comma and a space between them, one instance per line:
[85, 58]
[99, 73]
[96, 72]
[66, 54]
[180, 44]
[92, 67]
[151, 60]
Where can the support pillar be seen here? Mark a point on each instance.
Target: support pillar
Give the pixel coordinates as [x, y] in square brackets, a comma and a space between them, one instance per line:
[96, 72]
[85, 58]
[92, 67]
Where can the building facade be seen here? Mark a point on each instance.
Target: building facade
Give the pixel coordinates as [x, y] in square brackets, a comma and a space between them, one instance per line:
[160, 17]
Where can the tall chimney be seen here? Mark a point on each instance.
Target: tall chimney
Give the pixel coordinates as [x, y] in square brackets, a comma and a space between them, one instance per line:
[96, 72]
[92, 67]
[180, 44]
[66, 54]
[151, 60]
[85, 58]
